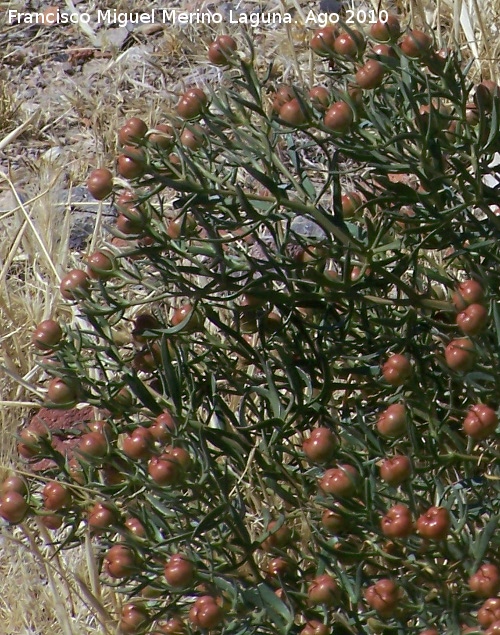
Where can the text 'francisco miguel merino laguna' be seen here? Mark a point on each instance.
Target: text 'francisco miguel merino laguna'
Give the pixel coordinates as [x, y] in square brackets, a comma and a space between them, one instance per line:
[163, 16]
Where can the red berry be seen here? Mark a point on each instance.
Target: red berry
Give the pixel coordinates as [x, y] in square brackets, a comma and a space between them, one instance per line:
[56, 496]
[206, 613]
[324, 589]
[383, 596]
[100, 183]
[320, 98]
[323, 40]
[179, 571]
[221, 50]
[93, 444]
[460, 355]
[339, 117]
[480, 422]
[370, 75]
[342, 481]
[292, 113]
[320, 445]
[434, 524]
[485, 583]
[392, 422]
[397, 522]
[350, 44]
[100, 265]
[13, 507]
[75, 284]
[395, 470]
[468, 292]
[387, 31]
[133, 130]
[473, 319]
[396, 370]
[61, 392]
[47, 335]
[417, 44]
[192, 103]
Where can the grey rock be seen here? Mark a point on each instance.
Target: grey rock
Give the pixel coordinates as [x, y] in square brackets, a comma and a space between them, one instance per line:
[83, 215]
[114, 37]
[307, 228]
[330, 6]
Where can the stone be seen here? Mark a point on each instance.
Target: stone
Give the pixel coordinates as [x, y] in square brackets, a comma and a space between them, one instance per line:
[64, 427]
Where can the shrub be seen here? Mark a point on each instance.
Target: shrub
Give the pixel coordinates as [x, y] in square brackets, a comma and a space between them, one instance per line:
[257, 315]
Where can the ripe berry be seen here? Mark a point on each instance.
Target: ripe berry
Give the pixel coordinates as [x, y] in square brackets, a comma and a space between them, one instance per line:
[101, 516]
[416, 44]
[320, 98]
[323, 590]
[342, 481]
[135, 527]
[162, 138]
[473, 319]
[392, 421]
[75, 284]
[93, 445]
[350, 44]
[133, 619]
[13, 507]
[279, 537]
[332, 522]
[320, 445]
[133, 130]
[468, 292]
[396, 370]
[315, 627]
[434, 524]
[383, 596]
[323, 40]
[119, 561]
[139, 444]
[61, 392]
[14, 483]
[485, 582]
[186, 312]
[100, 265]
[47, 335]
[131, 163]
[100, 183]
[370, 75]
[460, 355]
[282, 96]
[489, 612]
[292, 113]
[395, 470]
[221, 50]
[164, 470]
[339, 117]
[206, 613]
[193, 137]
[388, 31]
[481, 422]
[173, 626]
[192, 103]
[179, 571]
[163, 426]
[397, 522]
[56, 496]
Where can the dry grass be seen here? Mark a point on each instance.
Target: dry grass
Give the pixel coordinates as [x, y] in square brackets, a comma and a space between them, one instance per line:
[55, 122]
